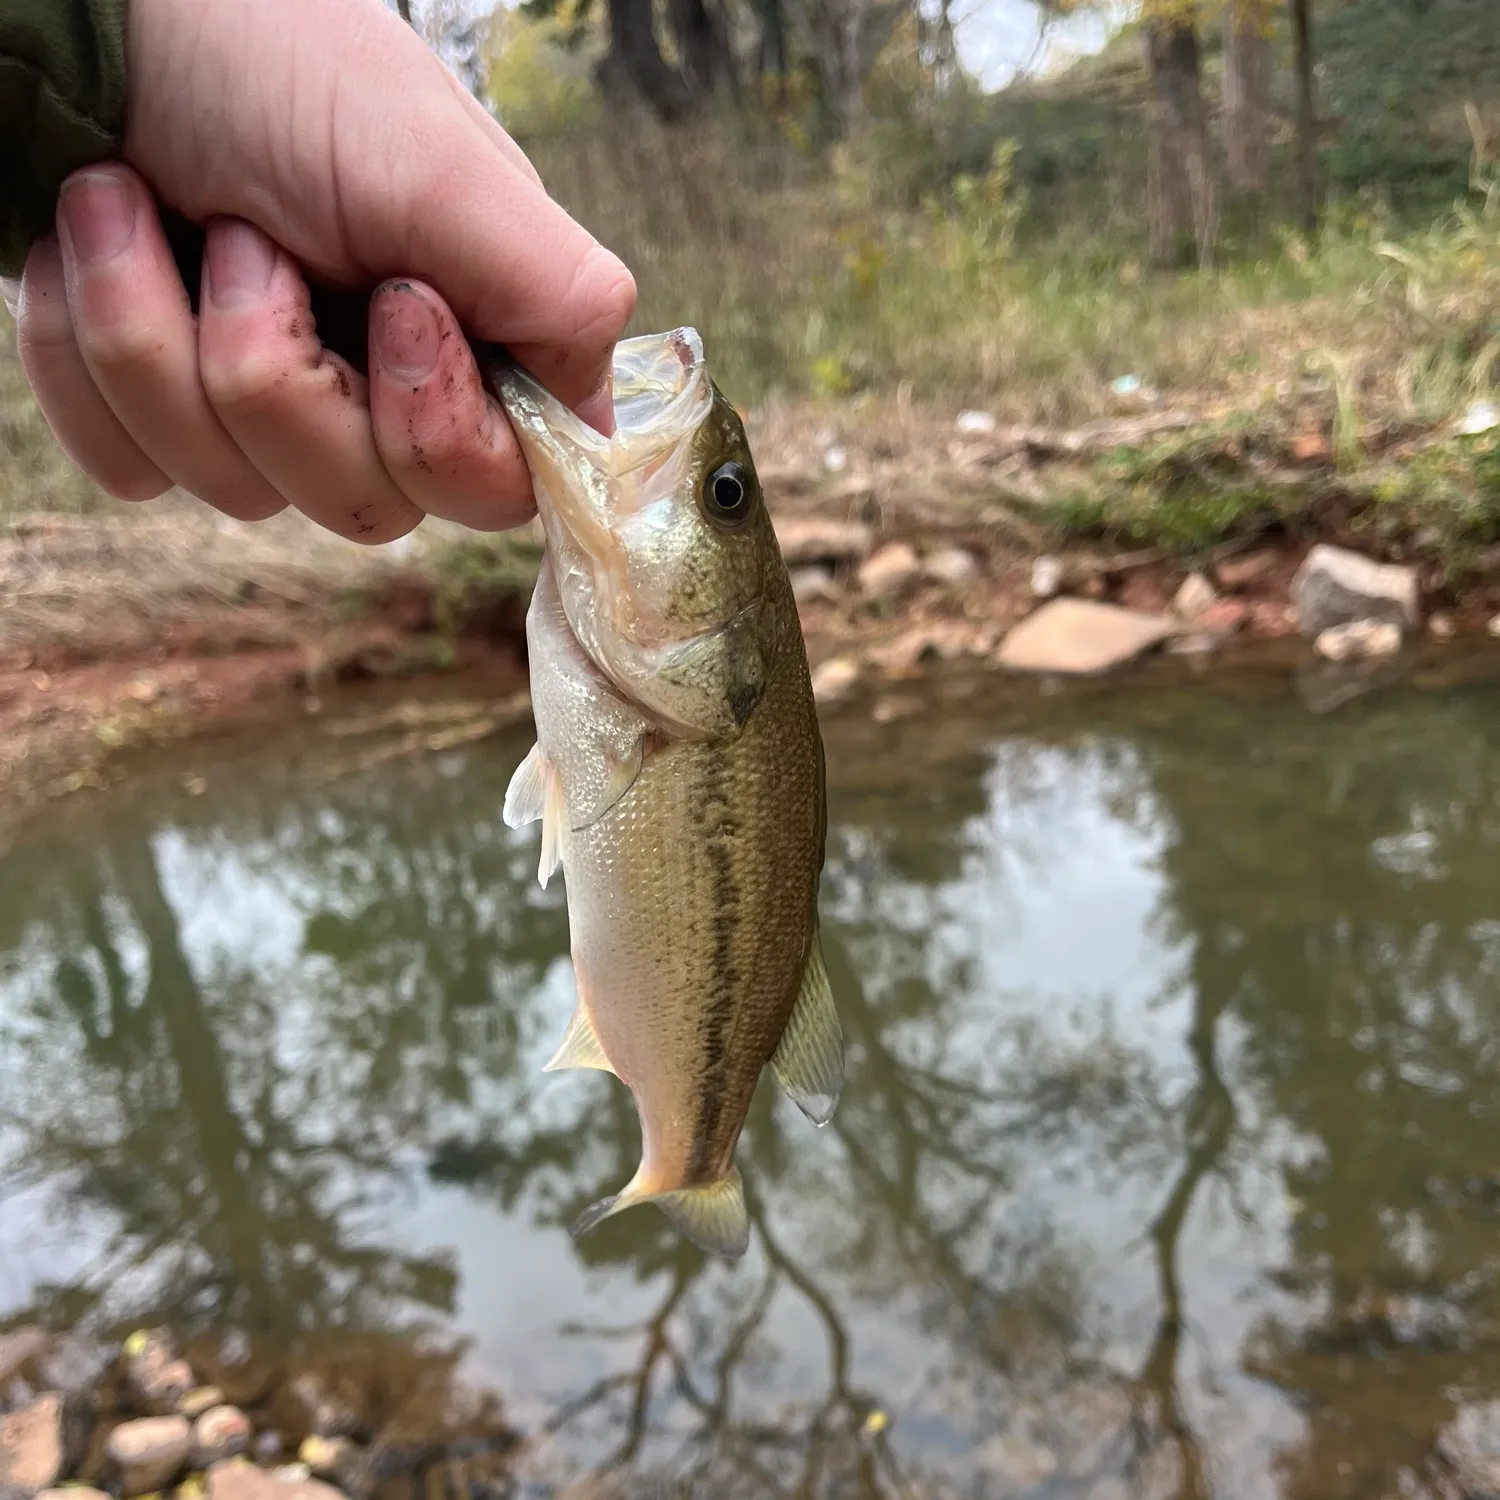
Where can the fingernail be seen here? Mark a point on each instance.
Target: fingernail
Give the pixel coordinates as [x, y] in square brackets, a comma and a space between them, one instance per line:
[598, 410]
[240, 262]
[407, 335]
[98, 216]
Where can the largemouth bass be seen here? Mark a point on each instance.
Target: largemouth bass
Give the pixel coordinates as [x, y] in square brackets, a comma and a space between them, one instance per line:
[678, 775]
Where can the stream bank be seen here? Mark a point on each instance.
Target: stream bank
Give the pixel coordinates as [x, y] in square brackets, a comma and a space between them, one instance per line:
[912, 540]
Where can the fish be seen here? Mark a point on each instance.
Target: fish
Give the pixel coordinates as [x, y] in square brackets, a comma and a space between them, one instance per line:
[678, 775]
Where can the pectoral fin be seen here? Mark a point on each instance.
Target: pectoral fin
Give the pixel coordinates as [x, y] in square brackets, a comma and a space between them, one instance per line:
[580, 1047]
[809, 1062]
[712, 1216]
[620, 776]
[535, 791]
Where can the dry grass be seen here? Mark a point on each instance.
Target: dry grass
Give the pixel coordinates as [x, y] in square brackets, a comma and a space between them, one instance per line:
[822, 286]
[830, 293]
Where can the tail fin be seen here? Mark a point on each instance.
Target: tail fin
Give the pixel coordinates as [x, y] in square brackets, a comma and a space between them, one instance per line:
[713, 1216]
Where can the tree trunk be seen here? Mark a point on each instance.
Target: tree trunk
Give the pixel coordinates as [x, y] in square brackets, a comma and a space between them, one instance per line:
[771, 56]
[633, 70]
[1247, 97]
[1181, 188]
[702, 47]
[1307, 118]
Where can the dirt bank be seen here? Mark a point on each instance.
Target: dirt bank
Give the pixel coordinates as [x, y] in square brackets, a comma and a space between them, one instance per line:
[912, 539]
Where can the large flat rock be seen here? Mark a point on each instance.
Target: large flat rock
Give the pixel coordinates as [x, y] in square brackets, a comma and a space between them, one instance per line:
[1336, 587]
[236, 1479]
[1081, 636]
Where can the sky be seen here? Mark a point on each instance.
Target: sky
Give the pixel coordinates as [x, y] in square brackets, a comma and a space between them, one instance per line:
[996, 39]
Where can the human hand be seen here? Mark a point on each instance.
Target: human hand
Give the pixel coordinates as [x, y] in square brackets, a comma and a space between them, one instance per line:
[316, 134]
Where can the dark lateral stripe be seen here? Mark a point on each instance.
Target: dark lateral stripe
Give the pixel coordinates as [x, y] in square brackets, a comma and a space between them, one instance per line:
[713, 820]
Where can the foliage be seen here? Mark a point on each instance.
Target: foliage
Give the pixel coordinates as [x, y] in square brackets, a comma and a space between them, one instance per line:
[477, 570]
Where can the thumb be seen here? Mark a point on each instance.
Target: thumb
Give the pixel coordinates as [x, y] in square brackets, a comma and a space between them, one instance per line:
[518, 270]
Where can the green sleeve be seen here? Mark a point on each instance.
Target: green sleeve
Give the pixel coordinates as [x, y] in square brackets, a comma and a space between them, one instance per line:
[62, 106]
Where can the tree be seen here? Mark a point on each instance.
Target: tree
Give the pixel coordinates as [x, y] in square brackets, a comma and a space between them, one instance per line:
[1307, 120]
[1181, 189]
[703, 46]
[1247, 94]
[633, 71]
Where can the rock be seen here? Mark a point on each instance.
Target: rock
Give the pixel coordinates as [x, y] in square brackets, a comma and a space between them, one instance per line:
[820, 539]
[32, 1448]
[149, 1452]
[74, 1364]
[1471, 1444]
[887, 572]
[1223, 618]
[239, 1480]
[1335, 587]
[196, 1402]
[1081, 636]
[946, 640]
[814, 582]
[951, 565]
[326, 1414]
[1195, 597]
[328, 1458]
[157, 1376]
[20, 1350]
[1017, 1461]
[1442, 627]
[1195, 643]
[224, 1432]
[832, 679]
[974, 423]
[269, 1447]
[1046, 577]
[1239, 572]
[1359, 640]
[1494, 626]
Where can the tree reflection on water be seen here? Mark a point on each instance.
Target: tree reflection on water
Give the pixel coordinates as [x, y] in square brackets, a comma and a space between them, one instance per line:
[247, 1038]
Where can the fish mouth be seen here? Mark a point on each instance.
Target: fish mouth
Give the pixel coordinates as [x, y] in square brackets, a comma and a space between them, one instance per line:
[661, 394]
[586, 484]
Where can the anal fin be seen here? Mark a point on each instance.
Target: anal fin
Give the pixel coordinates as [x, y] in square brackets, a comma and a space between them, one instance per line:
[809, 1061]
[713, 1216]
[580, 1047]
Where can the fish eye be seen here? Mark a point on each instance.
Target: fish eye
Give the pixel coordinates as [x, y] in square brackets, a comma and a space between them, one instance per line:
[726, 491]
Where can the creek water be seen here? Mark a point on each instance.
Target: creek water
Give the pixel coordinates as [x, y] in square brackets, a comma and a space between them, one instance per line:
[1167, 1164]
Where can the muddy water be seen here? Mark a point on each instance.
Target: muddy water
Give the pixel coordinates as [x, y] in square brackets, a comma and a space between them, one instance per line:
[1168, 1162]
